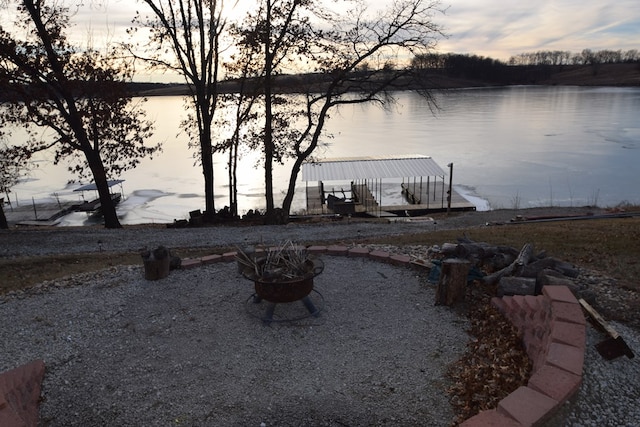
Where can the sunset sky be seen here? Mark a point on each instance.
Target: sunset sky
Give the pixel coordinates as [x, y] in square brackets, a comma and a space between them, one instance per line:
[502, 28]
[490, 28]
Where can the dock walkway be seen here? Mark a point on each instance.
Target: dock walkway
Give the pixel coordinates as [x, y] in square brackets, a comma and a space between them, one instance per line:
[419, 201]
[50, 213]
[432, 197]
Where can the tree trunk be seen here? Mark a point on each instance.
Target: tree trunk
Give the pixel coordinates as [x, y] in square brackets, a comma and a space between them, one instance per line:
[268, 125]
[107, 205]
[207, 172]
[291, 189]
[206, 150]
[452, 285]
[232, 173]
[303, 155]
[4, 225]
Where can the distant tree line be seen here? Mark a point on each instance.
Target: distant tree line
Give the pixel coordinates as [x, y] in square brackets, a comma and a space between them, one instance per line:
[462, 66]
[586, 57]
[520, 69]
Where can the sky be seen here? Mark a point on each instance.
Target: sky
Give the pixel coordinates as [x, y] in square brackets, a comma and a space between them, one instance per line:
[491, 28]
[503, 28]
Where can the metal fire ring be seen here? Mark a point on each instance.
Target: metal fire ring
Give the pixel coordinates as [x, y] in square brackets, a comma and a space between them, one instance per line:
[270, 312]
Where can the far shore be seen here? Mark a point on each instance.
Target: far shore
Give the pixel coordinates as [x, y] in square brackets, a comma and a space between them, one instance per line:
[612, 75]
[619, 75]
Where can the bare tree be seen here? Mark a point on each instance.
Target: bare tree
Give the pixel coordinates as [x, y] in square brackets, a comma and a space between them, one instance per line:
[269, 34]
[79, 96]
[185, 37]
[355, 56]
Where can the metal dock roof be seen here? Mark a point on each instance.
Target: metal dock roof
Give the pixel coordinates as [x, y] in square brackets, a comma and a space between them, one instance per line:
[339, 169]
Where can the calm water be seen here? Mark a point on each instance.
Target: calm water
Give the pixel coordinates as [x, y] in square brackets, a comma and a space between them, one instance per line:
[511, 147]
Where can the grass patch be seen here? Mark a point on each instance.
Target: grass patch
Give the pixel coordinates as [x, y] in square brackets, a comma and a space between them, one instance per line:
[25, 272]
[609, 246]
[605, 245]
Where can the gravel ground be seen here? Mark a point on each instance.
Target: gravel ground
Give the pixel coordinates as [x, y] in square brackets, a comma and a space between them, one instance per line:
[187, 350]
[610, 392]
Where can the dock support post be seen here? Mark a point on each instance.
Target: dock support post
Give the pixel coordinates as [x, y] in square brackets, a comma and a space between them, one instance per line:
[450, 185]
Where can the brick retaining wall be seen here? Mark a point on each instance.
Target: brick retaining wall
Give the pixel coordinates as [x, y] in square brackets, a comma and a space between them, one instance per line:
[20, 395]
[553, 331]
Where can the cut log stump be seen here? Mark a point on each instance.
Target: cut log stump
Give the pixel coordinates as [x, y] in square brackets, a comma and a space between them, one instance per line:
[156, 263]
[452, 284]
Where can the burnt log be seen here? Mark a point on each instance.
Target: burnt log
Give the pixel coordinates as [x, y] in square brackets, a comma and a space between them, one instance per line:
[534, 268]
[452, 284]
[449, 249]
[516, 286]
[553, 278]
[480, 253]
[499, 261]
[482, 249]
[524, 257]
[566, 268]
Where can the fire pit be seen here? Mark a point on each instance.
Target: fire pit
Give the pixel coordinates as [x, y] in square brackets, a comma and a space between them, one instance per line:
[282, 275]
[280, 290]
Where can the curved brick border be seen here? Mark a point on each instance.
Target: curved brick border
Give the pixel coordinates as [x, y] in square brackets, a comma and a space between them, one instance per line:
[553, 331]
[20, 395]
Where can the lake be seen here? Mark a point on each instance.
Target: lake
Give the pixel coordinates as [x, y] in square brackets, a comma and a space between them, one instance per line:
[512, 147]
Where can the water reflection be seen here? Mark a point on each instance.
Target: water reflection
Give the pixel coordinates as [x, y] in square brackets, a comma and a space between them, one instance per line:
[524, 146]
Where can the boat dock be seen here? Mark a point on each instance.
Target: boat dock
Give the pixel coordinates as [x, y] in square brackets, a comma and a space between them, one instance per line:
[362, 202]
[40, 214]
[49, 213]
[428, 197]
[414, 186]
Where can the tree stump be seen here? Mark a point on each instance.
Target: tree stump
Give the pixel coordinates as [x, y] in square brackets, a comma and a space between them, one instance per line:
[452, 285]
[156, 263]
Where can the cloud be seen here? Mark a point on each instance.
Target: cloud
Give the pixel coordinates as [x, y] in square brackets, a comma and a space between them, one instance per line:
[501, 29]
[493, 28]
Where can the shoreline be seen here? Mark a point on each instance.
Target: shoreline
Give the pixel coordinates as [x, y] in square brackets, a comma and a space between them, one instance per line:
[21, 241]
[45, 212]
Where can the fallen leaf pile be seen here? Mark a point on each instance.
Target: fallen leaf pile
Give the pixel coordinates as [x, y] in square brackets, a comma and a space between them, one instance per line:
[494, 364]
